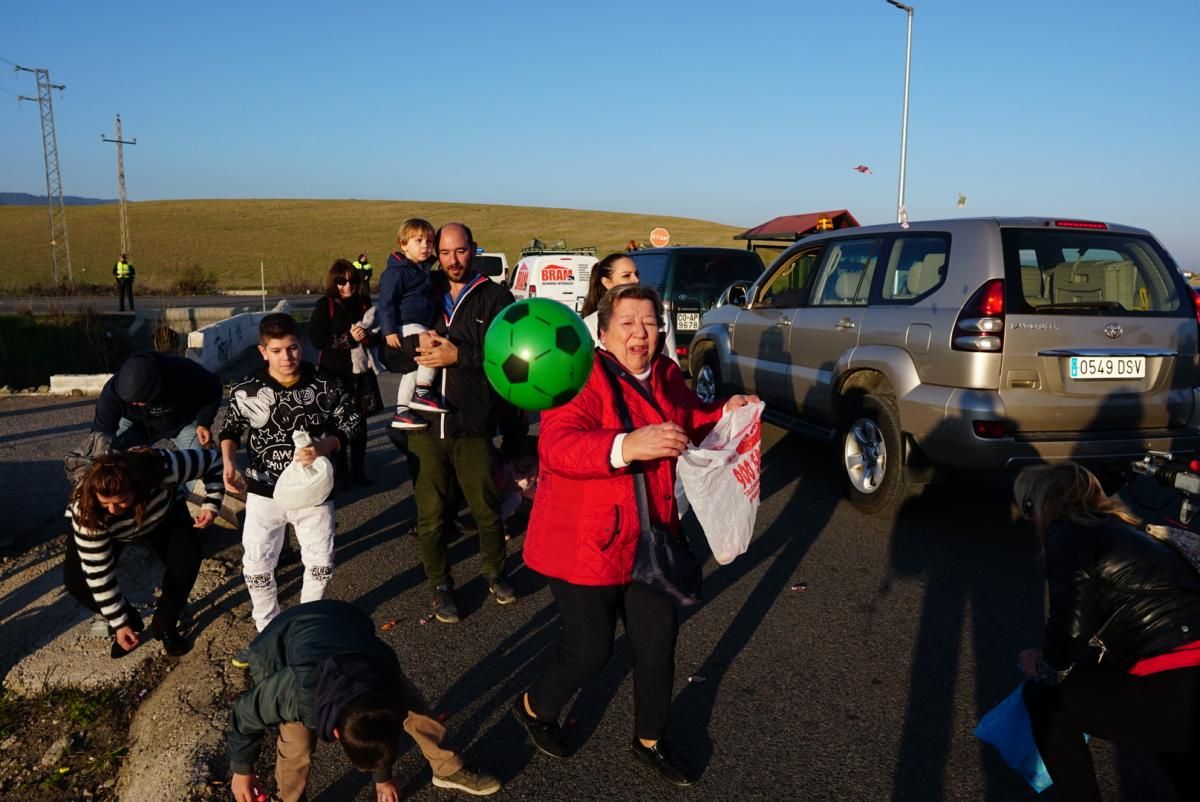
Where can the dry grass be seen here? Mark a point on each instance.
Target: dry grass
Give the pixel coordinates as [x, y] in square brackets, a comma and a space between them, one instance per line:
[295, 239]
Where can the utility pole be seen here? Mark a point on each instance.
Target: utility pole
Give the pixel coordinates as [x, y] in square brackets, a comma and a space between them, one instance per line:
[121, 143]
[60, 248]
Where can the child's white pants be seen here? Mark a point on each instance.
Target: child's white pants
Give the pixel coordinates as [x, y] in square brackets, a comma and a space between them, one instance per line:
[410, 380]
[262, 540]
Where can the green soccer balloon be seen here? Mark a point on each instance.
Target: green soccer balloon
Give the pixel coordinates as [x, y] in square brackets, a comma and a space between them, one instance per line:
[537, 354]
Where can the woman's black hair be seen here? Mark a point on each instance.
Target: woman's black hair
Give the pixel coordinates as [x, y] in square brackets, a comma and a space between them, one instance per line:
[596, 289]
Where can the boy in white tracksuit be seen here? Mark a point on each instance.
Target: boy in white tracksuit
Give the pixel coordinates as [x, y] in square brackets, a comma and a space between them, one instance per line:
[285, 395]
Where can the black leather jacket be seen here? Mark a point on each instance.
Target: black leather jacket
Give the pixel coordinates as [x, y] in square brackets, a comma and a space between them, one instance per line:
[1116, 595]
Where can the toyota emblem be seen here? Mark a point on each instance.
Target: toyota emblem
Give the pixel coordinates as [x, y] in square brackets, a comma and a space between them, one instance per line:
[1113, 330]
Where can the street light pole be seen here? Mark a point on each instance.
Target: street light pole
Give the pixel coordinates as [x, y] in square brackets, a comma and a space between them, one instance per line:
[900, 213]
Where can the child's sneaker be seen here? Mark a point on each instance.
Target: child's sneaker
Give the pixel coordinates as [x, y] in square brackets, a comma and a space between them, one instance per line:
[427, 399]
[404, 419]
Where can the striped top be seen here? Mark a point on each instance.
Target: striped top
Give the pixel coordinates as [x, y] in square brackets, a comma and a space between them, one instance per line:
[95, 545]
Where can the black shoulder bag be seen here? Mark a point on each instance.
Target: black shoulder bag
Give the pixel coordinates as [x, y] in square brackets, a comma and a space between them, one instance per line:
[663, 561]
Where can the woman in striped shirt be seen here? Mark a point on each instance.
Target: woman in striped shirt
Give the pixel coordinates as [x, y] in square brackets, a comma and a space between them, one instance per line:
[136, 495]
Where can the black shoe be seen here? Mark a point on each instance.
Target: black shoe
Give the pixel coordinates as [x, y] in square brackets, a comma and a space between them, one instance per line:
[547, 736]
[361, 479]
[501, 590]
[444, 608]
[656, 758]
[173, 643]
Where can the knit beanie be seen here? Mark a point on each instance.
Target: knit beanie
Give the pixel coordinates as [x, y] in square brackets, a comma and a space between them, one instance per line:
[139, 379]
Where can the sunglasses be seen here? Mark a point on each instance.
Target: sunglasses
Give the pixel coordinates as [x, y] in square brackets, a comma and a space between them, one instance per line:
[343, 281]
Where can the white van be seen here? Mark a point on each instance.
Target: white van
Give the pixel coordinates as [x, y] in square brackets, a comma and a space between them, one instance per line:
[561, 277]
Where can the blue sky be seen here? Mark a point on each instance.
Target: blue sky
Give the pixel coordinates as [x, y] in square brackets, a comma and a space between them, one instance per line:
[722, 111]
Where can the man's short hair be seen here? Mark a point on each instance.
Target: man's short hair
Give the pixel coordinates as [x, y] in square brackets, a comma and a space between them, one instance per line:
[621, 292]
[276, 326]
[437, 237]
[369, 729]
[411, 228]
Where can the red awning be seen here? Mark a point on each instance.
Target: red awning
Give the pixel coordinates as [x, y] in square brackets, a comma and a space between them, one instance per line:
[790, 228]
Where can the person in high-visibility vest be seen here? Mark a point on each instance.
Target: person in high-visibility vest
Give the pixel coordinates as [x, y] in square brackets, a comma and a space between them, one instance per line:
[363, 266]
[123, 271]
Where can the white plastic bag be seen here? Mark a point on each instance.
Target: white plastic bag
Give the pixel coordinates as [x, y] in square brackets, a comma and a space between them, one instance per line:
[721, 478]
[302, 486]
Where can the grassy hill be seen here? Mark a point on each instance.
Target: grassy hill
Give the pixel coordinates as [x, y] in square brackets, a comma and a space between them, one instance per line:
[297, 240]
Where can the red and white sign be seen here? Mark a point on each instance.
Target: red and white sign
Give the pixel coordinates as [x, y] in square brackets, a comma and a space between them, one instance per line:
[556, 274]
[659, 237]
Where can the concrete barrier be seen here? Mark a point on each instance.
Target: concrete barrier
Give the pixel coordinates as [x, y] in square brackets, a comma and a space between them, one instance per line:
[218, 344]
[88, 384]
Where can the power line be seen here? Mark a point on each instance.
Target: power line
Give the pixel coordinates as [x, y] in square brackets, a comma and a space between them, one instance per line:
[15, 64]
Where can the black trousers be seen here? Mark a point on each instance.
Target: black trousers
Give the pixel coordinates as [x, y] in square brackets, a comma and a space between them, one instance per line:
[177, 543]
[125, 290]
[1160, 711]
[589, 617]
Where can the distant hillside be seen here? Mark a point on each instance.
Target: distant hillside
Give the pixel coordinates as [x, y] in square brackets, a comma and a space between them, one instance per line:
[25, 199]
[297, 240]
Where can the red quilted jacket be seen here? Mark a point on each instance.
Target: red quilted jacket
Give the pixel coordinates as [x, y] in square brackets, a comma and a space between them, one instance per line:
[584, 525]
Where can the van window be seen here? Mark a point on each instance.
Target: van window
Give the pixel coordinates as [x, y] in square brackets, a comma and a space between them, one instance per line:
[1089, 273]
[915, 267]
[845, 277]
[788, 287]
[488, 266]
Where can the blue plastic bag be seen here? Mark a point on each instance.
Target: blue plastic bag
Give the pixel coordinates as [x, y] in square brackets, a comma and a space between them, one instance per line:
[1007, 727]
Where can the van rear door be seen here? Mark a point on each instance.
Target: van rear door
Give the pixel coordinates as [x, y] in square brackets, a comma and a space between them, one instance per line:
[1100, 332]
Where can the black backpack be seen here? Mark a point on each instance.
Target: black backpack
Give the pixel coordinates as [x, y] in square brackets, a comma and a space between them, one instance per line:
[79, 459]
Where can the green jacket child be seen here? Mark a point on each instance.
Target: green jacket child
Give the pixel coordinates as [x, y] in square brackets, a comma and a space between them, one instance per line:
[318, 670]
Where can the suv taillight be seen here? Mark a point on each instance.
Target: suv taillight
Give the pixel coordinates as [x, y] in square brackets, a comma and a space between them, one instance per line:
[1195, 295]
[980, 325]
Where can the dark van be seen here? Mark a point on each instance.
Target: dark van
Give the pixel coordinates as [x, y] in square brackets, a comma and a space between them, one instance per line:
[690, 279]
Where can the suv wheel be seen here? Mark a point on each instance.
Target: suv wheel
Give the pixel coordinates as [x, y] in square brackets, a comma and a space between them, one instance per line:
[707, 383]
[872, 456]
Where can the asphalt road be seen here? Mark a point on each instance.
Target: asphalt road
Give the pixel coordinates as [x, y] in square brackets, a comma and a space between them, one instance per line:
[108, 303]
[844, 657]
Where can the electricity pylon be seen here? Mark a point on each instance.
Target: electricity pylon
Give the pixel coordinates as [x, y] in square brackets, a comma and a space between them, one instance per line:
[60, 247]
[121, 143]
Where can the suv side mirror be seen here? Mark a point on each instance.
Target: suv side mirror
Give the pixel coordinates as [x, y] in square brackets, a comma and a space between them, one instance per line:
[734, 295]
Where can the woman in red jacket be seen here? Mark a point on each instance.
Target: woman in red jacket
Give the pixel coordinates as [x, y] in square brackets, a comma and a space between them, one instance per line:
[584, 528]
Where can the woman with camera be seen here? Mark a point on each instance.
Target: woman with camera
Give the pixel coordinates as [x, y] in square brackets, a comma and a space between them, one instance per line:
[1120, 659]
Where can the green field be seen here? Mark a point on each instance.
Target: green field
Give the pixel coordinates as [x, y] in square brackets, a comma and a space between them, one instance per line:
[296, 240]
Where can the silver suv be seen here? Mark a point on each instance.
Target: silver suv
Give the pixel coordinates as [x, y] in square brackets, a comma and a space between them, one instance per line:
[984, 343]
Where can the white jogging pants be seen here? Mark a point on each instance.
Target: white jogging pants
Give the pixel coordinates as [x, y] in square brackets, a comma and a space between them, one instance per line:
[262, 540]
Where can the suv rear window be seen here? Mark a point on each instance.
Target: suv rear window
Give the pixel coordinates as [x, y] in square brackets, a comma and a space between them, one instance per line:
[703, 276]
[652, 269]
[1078, 272]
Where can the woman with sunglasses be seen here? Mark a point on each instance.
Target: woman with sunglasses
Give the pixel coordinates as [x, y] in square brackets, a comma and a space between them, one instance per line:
[1120, 659]
[337, 331]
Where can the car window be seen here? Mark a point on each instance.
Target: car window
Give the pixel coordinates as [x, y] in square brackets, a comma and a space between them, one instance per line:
[788, 286]
[701, 276]
[845, 276]
[916, 266]
[652, 269]
[1085, 272]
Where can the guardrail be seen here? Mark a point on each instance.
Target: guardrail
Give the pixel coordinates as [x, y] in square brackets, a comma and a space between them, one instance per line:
[218, 344]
